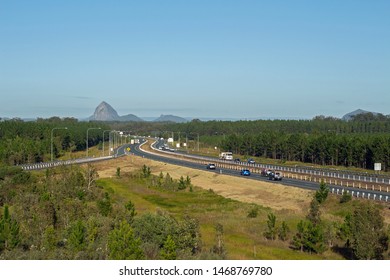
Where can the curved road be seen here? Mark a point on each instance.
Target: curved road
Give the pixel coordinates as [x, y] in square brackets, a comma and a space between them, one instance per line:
[356, 192]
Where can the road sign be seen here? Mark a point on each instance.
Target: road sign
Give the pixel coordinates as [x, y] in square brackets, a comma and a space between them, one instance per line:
[128, 149]
[377, 166]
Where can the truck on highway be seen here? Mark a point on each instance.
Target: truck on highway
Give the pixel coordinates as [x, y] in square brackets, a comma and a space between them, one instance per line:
[226, 155]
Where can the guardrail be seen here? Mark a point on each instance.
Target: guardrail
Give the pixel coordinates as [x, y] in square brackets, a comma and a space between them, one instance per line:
[340, 182]
[51, 164]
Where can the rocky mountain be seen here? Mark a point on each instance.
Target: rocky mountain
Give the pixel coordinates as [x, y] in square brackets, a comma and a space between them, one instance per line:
[349, 116]
[170, 118]
[105, 112]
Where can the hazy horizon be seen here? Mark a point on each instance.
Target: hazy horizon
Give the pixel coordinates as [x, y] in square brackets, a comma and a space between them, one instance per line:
[197, 59]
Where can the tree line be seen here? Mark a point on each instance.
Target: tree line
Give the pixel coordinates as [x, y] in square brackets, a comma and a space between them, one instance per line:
[360, 142]
[29, 142]
[350, 150]
[362, 123]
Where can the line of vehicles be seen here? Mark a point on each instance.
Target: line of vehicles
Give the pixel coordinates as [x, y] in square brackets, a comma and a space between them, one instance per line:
[271, 174]
[166, 147]
[229, 156]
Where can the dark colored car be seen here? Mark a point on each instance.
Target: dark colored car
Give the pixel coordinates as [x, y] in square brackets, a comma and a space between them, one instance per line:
[251, 161]
[245, 172]
[237, 160]
[210, 166]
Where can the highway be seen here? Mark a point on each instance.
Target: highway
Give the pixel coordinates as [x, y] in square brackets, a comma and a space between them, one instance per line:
[199, 163]
[223, 167]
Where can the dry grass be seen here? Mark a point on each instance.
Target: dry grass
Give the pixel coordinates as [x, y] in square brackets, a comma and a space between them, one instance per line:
[274, 196]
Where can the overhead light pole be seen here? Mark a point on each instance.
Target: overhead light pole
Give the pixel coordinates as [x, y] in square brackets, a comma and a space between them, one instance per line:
[108, 139]
[87, 135]
[111, 141]
[198, 141]
[51, 141]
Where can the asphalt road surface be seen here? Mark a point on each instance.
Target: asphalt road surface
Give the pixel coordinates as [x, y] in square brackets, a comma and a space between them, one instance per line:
[356, 192]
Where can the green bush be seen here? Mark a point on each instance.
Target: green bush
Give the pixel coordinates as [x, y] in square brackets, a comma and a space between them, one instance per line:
[345, 197]
[253, 212]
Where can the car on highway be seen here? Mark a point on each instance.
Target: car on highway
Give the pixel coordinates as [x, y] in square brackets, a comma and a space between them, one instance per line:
[251, 161]
[237, 160]
[210, 166]
[245, 172]
[275, 176]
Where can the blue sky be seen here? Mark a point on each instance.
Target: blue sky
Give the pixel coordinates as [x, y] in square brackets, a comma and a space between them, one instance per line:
[221, 59]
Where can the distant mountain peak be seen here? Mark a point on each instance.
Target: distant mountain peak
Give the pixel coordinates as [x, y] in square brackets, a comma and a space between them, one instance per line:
[350, 115]
[170, 118]
[104, 112]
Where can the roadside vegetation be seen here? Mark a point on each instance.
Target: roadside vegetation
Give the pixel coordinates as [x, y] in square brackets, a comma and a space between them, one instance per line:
[68, 213]
[71, 213]
[322, 141]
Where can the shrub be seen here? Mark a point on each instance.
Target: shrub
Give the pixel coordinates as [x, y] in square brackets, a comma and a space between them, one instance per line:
[345, 197]
[253, 212]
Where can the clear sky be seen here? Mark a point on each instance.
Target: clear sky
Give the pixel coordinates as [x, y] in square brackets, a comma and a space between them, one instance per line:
[194, 58]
